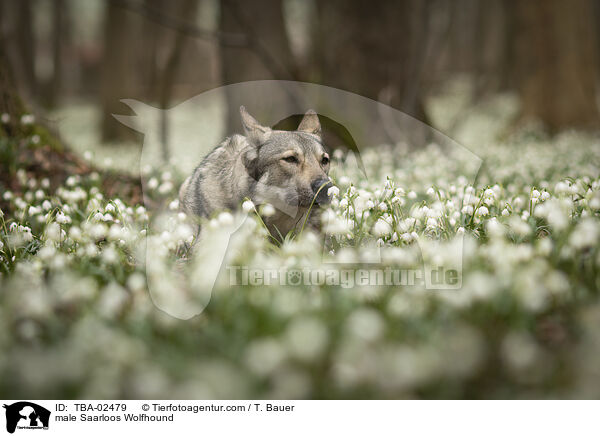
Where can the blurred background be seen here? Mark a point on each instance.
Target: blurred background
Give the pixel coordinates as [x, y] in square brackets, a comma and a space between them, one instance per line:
[74, 61]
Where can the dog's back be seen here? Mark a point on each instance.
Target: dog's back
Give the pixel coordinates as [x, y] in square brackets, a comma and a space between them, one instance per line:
[217, 183]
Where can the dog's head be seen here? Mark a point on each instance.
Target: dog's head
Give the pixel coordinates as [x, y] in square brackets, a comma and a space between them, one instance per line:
[289, 166]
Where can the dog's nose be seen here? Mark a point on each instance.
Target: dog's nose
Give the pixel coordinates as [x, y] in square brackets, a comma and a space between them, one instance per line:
[320, 187]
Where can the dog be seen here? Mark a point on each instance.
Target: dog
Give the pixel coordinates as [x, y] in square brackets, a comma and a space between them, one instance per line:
[287, 169]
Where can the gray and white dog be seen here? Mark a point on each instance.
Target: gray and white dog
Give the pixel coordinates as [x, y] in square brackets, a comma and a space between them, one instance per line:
[287, 169]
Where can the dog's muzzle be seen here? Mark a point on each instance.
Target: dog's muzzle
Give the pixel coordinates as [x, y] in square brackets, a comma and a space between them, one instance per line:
[320, 188]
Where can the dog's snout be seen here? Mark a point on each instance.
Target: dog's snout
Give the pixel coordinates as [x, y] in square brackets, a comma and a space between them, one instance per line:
[318, 183]
[320, 187]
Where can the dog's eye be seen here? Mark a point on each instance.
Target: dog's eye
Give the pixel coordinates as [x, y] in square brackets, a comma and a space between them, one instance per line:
[291, 159]
[325, 160]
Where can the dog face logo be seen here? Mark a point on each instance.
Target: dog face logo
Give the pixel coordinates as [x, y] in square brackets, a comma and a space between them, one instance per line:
[26, 415]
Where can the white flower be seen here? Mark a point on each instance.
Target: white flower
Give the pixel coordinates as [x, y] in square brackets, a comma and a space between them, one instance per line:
[174, 205]
[562, 188]
[75, 233]
[33, 210]
[152, 183]
[97, 231]
[585, 235]
[136, 281]
[54, 232]
[412, 195]
[165, 187]
[115, 232]
[535, 194]
[482, 211]
[268, 210]
[71, 181]
[381, 228]
[518, 202]
[467, 210]
[334, 191]
[110, 255]
[431, 192]
[406, 237]
[366, 324]
[494, 228]
[247, 206]
[383, 207]
[431, 222]
[27, 119]
[61, 218]
[47, 252]
[28, 236]
[225, 218]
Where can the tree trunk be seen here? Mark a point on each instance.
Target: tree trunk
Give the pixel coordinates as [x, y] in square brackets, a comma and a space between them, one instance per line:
[59, 32]
[116, 77]
[378, 50]
[267, 56]
[11, 106]
[556, 69]
[188, 9]
[26, 45]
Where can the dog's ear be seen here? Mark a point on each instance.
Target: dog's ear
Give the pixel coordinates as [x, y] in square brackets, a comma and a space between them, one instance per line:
[310, 123]
[252, 128]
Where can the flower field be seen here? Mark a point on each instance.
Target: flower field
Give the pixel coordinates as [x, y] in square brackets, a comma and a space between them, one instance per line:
[77, 320]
